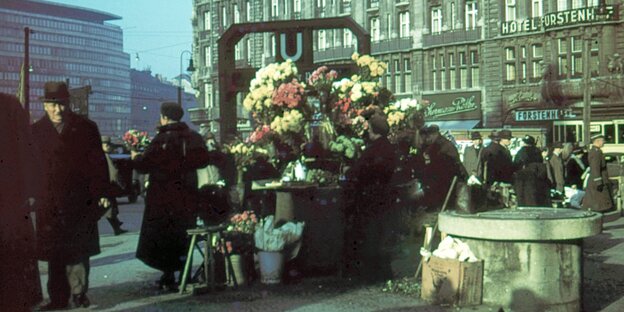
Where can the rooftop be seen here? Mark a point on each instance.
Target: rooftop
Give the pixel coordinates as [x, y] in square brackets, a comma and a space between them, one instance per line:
[58, 10]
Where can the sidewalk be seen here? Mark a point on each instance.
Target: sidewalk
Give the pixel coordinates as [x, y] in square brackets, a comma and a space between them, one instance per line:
[120, 282]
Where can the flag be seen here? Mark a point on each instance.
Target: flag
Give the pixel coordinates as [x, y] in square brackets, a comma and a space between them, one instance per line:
[20, 86]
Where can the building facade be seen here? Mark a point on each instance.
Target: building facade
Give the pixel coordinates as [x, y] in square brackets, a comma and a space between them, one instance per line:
[71, 44]
[481, 63]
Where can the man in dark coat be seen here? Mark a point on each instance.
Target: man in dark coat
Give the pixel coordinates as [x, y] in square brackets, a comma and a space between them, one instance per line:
[472, 153]
[495, 162]
[112, 212]
[20, 288]
[442, 163]
[556, 165]
[530, 180]
[598, 192]
[76, 179]
[171, 161]
[369, 181]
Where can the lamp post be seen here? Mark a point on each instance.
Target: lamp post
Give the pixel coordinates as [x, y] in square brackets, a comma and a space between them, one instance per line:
[190, 68]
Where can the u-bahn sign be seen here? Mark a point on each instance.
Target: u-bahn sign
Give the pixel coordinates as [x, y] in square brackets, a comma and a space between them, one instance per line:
[558, 19]
[294, 42]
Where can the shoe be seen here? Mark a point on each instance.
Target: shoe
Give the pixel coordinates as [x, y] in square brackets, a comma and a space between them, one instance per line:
[81, 300]
[119, 231]
[52, 306]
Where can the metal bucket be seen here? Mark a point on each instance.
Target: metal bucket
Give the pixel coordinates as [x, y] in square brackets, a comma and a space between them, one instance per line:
[271, 266]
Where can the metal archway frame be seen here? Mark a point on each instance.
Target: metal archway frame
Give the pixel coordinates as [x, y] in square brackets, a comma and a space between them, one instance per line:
[233, 80]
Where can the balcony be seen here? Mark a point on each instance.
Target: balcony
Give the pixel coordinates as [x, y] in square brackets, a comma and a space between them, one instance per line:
[402, 2]
[345, 8]
[397, 44]
[452, 37]
[332, 54]
[373, 6]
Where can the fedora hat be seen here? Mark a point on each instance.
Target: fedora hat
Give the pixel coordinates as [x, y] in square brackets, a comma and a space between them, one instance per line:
[475, 135]
[55, 91]
[505, 134]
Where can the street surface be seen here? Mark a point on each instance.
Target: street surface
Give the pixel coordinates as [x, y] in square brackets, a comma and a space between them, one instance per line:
[119, 282]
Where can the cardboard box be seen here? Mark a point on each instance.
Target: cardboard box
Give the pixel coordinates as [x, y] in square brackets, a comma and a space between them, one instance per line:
[447, 281]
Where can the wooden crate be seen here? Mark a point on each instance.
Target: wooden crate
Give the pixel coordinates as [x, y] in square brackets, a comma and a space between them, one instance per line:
[447, 281]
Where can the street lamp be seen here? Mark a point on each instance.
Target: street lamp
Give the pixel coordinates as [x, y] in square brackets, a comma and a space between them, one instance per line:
[190, 68]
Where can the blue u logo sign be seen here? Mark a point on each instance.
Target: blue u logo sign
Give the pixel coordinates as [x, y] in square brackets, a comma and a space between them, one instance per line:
[298, 52]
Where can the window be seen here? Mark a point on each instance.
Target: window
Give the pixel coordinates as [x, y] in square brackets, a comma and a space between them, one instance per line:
[320, 4]
[577, 4]
[207, 21]
[272, 40]
[453, 15]
[404, 22]
[452, 73]
[510, 10]
[562, 59]
[407, 73]
[577, 59]
[297, 6]
[373, 4]
[274, 8]
[207, 56]
[474, 69]
[434, 81]
[389, 25]
[224, 16]
[436, 20]
[510, 64]
[374, 28]
[237, 51]
[537, 53]
[236, 14]
[248, 48]
[471, 15]
[248, 11]
[347, 37]
[562, 5]
[322, 39]
[510, 54]
[442, 72]
[398, 87]
[536, 8]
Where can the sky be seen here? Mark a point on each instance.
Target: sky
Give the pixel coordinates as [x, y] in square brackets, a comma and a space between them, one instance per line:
[158, 31]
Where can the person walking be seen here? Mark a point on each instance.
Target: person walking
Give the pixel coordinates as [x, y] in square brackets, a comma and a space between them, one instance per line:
[20, 288]
[75, 178]
[556, 164]
[598, 192]
[112, 212]
[171, 160]
[472, 153]
[531, 179]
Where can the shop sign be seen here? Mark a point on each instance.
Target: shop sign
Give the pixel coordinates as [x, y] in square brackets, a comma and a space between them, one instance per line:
[538, 115]
[559, 19]
[453, 106]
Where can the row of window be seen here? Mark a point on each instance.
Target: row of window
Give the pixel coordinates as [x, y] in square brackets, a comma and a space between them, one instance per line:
[453, 69]
[66, 25]
[95, 42]
[68, 53]
[471, 10]
[536, 8]
[402, 22]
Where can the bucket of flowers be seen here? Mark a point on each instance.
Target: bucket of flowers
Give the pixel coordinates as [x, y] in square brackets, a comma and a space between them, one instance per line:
[239, 245]
[136, 140]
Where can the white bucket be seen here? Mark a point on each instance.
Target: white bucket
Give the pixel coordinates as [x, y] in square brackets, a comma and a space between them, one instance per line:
[271, 266]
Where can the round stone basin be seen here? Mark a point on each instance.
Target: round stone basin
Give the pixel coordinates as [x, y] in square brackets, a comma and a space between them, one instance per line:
[532, 256]
[530, 223]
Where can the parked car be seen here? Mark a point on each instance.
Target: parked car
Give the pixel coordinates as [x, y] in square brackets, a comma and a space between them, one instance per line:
[131, 183]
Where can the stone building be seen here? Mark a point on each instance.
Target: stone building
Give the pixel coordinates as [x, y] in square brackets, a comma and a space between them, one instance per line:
[484, 64]
[67, 43]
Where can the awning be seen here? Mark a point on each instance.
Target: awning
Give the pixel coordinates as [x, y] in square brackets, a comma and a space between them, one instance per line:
[454, 124]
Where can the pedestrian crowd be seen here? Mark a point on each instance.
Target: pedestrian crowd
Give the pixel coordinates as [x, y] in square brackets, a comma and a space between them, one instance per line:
[59, 170]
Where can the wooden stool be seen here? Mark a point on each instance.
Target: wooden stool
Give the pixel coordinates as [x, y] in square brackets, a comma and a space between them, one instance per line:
[206, 232]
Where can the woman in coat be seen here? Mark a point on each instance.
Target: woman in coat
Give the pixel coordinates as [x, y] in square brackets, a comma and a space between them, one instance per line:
[171, 161]
[531, 180]
[598, 192]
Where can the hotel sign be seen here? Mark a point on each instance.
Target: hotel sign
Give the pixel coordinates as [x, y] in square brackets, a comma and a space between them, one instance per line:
[559, 19]
[453, 106]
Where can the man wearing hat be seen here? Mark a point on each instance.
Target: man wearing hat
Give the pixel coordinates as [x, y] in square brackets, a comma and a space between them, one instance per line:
[171, 160]
[598, 192]
[495, 164]
[369, 185]
[442, 163]
[112, 212]
[556, 166]
[472, 152]
[75, 176]
[531, 178]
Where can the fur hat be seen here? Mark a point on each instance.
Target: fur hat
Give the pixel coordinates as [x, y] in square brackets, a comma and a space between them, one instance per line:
[171, 110]
[379, 124]
[55, 91]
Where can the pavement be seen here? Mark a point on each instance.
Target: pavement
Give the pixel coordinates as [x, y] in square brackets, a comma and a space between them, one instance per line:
[120, 282]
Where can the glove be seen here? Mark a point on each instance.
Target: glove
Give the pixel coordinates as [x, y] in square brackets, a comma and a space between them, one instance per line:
[600, 187]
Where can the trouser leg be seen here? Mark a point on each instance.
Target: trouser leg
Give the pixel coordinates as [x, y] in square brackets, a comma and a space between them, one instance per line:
[58, 286]
[78, 276]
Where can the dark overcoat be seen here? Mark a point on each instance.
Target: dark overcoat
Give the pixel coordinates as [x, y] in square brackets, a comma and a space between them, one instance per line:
[531, 179]
[574, 169]
[75, 177]
[598, 193]
[496, 164]
[20, 288]
[556, 164]
[471, 159]
[442, 163]
[171, 161]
